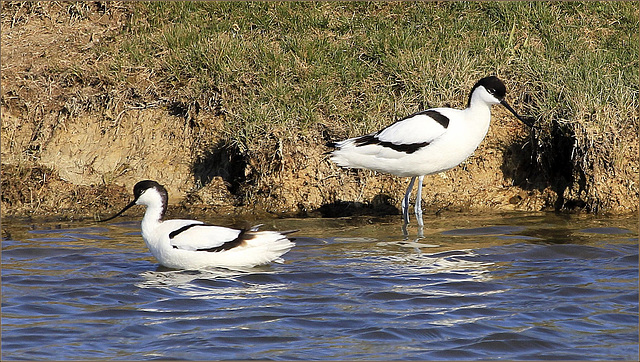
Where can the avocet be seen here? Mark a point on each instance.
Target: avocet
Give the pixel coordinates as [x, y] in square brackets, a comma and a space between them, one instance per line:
[427, 142]
[192, 244]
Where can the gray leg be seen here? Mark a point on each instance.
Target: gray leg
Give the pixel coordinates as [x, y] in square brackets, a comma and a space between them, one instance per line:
[418, 206]
[405, 233]
[405, 201]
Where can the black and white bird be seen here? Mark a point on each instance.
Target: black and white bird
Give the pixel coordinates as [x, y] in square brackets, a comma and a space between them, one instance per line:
[427, 142]
[192, 244]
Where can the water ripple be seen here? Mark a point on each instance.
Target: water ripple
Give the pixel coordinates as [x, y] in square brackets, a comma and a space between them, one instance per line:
[512, 289]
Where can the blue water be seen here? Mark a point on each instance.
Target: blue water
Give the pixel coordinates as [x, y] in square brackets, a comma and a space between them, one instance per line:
[510, 286]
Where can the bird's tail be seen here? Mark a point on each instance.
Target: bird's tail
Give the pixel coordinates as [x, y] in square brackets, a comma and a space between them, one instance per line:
[268, 246]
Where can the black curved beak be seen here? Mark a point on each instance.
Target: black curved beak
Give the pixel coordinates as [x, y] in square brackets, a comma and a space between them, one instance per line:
[528, 121]
[121, 212]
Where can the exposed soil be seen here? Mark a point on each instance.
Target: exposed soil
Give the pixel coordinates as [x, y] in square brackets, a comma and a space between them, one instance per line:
[74, 144]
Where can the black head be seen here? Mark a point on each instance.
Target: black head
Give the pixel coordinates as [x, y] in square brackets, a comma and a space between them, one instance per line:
[496, 88]
[493, 85]
[138, 190]
[142, 186]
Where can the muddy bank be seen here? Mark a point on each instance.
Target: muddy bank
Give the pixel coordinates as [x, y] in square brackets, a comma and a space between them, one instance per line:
[75, 141]
[94, 173]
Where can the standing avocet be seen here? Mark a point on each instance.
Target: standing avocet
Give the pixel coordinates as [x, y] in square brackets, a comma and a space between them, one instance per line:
[426, 142]
[192, 244]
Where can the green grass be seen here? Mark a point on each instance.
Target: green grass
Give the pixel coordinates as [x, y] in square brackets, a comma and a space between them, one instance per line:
[283, 68]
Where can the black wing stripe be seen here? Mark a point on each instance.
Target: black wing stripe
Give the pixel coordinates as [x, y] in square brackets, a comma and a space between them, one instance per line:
[372, 139]
[244, 235]
[239, 240]
[437, 116]
[174, 233]
[406, 148]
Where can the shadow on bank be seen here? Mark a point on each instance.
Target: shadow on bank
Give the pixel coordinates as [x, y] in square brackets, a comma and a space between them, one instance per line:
[548, 159]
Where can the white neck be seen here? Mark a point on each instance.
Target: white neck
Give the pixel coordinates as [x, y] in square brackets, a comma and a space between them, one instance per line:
[481, 99]
[150, 223]
[477, 120]
[152, 215]
[155, 209]
[479, 109]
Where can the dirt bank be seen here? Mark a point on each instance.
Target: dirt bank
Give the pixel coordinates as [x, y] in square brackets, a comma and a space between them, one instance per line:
[75, 141]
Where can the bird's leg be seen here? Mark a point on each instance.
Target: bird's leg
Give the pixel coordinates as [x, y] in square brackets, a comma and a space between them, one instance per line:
[418, 208]
[405, 203]
[418, 205]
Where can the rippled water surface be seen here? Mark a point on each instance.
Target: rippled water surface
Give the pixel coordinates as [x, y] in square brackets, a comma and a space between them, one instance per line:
[509, 286]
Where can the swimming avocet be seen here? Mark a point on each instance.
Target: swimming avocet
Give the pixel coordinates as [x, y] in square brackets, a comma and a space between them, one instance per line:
[426, 142]
[192, 244]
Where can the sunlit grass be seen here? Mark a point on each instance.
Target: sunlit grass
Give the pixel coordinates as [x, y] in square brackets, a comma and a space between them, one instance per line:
[283, 68]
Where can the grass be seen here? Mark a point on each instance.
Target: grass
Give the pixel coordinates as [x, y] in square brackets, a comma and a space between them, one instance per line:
[285, 67]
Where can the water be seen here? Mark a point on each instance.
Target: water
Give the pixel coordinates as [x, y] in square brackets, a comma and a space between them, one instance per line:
[509, 286]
